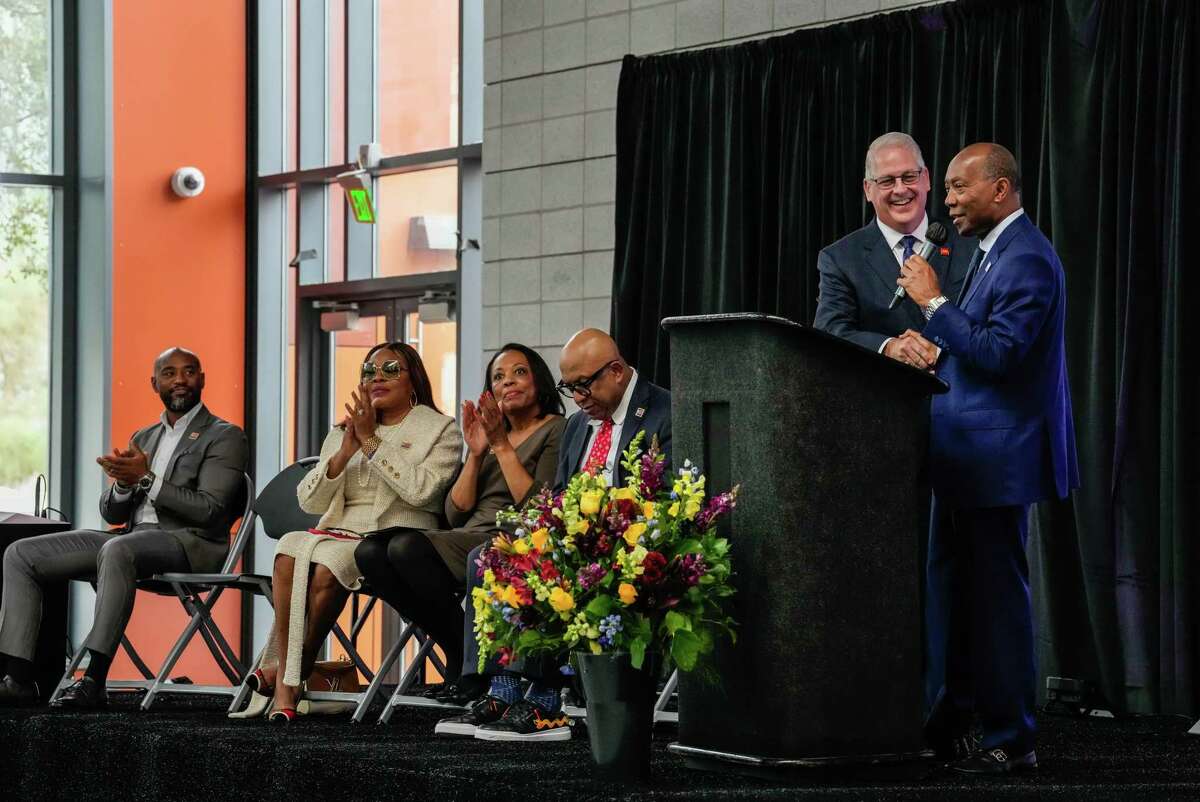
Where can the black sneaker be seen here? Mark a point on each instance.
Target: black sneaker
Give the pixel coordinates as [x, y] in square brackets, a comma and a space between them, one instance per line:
[525, 721]
[487, 710]
[463, 692]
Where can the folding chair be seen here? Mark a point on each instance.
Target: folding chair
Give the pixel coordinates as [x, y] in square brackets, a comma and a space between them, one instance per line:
[198, 599]
[279, 512]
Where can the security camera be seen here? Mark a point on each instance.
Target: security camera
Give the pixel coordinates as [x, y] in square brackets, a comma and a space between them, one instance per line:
[187, 182]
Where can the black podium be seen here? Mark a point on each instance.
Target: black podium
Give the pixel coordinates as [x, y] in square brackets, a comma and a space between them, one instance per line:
[827, 440]
[51, 656]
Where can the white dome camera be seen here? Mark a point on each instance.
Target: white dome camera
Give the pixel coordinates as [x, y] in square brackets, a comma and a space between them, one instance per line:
[187, 182]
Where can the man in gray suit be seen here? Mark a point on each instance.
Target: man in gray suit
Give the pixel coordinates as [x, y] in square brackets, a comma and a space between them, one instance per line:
[176, 491]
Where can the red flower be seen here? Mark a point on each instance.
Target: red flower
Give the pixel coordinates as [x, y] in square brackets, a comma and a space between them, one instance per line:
[505, 655]
[549, 572]
[653, 565]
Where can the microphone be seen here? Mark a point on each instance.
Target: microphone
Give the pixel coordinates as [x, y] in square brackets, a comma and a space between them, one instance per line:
[935, 236]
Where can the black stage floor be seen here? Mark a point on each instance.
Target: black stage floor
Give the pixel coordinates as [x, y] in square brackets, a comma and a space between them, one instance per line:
[186, 749]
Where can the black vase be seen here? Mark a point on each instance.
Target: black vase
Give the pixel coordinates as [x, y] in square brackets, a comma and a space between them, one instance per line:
[620, 713]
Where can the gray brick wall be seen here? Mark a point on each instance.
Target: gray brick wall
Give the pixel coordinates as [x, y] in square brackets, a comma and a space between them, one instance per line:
[551, 69]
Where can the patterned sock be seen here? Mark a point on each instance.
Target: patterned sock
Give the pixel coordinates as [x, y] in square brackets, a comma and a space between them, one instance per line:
[545, 698]
[506, 686]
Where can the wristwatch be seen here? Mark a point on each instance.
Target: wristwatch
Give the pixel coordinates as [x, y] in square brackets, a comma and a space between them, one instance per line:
[933, 306]
[146, 481]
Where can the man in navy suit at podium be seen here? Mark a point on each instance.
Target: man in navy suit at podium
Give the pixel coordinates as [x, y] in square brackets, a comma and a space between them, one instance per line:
[1001, 439]
[858, 272]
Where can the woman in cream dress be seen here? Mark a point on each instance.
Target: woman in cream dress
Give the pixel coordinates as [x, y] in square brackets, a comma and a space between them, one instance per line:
[388, 465]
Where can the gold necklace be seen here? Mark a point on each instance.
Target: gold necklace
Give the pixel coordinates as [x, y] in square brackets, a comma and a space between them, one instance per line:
[363, 458]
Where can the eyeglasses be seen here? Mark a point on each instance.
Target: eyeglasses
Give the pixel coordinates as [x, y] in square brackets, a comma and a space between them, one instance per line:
[583, 387]
[889, 181]
[388, 370]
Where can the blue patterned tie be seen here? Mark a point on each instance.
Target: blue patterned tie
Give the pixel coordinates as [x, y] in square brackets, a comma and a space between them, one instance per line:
[910, 243]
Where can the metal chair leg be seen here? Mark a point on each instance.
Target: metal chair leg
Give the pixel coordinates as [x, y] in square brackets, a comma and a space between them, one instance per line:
[360, 711]
[76, 659]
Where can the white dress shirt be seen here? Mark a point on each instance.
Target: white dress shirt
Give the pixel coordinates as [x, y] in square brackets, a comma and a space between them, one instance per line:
[167, 443]
[618, 419]
[895, 242]
[987, 243]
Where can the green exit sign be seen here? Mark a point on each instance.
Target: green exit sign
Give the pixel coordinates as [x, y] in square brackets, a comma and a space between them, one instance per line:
[360, 203]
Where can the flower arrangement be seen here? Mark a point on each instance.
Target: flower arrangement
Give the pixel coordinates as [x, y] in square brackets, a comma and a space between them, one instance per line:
[609, 569]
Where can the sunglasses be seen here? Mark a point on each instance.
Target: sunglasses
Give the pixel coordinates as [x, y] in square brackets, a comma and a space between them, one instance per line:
[388, 370]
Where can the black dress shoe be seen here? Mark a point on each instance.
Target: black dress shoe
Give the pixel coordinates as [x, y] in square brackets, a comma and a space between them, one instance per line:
[462, 692]
[951, 746]
[13, 693]
[992, 762]
[84, 694]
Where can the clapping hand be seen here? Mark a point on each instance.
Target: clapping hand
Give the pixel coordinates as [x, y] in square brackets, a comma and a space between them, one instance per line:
[125, 467]
[473, 431]
[492, 421]
[360, 416]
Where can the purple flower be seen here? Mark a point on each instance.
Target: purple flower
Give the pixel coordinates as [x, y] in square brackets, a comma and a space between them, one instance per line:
[691, 568]
[716, 507]
[590, 575]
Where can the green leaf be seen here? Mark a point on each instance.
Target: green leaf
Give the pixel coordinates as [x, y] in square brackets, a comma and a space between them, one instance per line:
[529, 639]
[637, 652]
[676, 622]
[599, 606]
[689, 546]
[685, 648]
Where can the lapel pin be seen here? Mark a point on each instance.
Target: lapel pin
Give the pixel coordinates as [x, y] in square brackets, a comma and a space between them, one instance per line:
[944, 251]
[641, 412]
[194, 436]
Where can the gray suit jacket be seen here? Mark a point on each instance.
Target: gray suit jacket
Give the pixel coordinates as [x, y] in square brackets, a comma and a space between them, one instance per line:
[858, 278]
[202, 493]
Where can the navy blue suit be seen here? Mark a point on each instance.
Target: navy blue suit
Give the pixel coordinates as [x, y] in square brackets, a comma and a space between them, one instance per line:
[649, 410]
[1001, 439]
[858, 278]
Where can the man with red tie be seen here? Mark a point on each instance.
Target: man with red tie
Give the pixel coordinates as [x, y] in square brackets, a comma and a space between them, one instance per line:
[614, 405]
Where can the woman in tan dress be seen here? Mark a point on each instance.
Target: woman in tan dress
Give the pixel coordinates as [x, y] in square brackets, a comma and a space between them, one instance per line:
[388, 464]
[512, 436]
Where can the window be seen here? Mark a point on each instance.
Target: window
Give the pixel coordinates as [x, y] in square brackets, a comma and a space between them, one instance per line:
[31, 186]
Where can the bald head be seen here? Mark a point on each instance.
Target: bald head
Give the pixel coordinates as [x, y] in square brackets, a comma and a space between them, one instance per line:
[983, 185]
[166, 355]
[592, 363]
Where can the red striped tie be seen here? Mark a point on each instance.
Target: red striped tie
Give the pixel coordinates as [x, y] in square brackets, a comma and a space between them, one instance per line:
[598, 456]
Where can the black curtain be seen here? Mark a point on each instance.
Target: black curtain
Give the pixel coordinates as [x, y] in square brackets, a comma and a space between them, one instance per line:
[736, 165]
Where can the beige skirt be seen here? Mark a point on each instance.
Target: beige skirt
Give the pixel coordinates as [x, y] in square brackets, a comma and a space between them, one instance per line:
[307, 549]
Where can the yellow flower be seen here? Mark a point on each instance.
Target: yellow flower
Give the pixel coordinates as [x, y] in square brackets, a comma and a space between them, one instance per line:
[578, 528]
[628, 593]
[633, 532]
[673, 510]
[691, 509]
[510, 596]
[561, 601]
[501, 544]
[489, 576]
[595, 647]
[623, 494]
[648, 509]
[589, 503]
[521, 546]
[539, 538]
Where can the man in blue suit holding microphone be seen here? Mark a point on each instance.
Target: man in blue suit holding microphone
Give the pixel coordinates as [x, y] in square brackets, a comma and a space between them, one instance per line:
[1001, 439]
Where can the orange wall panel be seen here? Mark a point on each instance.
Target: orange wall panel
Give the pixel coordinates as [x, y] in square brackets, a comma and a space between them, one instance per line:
[179, 94]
